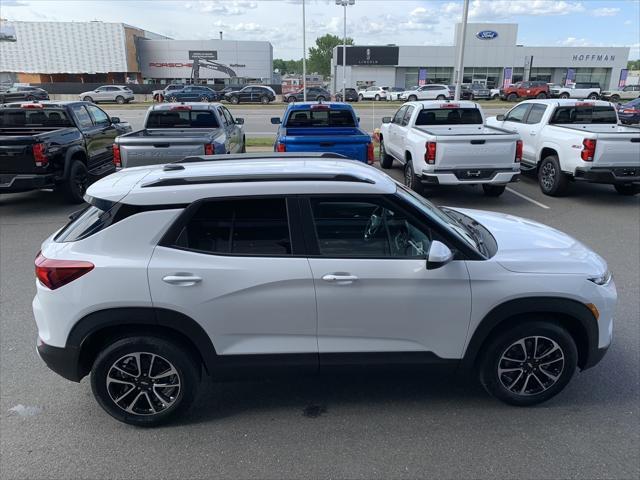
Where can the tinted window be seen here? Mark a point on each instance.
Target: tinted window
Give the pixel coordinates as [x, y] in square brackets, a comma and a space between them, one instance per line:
[407, 116]
[34, 117]
[321, 118]
[584, 114]
[351, 228]
[536, 113]
[227, 115]
[244, 227]
[182, 119]
[517, 113]
[93, 219]
[81, 114]
[448, 116]
[99, 117]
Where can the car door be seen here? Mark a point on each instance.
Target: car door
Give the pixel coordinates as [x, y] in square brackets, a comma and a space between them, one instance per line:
[530, 132]
[514, 119]
[245, 94]
[104, 134]
[374, 292]
[391, 144]
[231, 266]
[229, 129]
[93, 135]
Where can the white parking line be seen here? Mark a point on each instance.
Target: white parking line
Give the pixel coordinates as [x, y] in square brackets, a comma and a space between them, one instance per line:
[528, 199]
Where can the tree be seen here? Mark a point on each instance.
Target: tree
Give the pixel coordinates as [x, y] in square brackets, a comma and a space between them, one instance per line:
[633, 64]
[287, 66]
[320, 55]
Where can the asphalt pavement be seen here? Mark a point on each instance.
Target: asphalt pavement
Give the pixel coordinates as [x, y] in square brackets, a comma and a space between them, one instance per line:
[332, 427]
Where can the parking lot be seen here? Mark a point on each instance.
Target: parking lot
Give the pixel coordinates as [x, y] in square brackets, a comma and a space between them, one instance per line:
[347, 427]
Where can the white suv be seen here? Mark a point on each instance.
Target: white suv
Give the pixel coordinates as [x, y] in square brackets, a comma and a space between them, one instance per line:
[373, 93]
[427, 92]
[235, 266]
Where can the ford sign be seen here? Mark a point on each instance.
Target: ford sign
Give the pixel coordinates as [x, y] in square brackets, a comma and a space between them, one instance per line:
[487, 35]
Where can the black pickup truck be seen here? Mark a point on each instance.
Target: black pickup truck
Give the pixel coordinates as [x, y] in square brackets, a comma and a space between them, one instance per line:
[60, 145]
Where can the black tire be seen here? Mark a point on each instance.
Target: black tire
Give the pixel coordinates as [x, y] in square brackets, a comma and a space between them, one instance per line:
[234, 100]
[493, 190]
[471, 97]
[615, 98]
[75, 186]
[593, 96]
[411, 180]
[119, 100]
[386, 161]
[541, 95]
[264, 100]
[320, 99]
[412, 98]
[526, 366]
[338, 98]
[512, 97]
[167, 354]
[441, 97]
[244, 145]
[552, 180]
[627, 189]
[173, 99]
[496, 97]
[204, 99]
[564, 95]
[31, 98]
[88, 99]
[360, 97]
[377, 98]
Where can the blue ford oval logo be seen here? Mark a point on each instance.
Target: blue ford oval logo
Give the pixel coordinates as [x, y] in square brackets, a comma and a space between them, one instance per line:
[487, 35]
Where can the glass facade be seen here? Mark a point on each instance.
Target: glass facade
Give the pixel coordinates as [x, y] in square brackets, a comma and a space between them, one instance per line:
[541, 74]
[488, 76]
[599, 75]
[439, 75]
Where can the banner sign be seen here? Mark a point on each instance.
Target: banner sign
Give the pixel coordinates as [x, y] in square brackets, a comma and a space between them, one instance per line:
[206, 54]
[623, 78]
[370, 55]
[508, 77]
[571, 77]
[422, 77]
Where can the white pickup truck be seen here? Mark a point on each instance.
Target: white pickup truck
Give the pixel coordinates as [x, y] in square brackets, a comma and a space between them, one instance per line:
[446, 143]
[566, 140]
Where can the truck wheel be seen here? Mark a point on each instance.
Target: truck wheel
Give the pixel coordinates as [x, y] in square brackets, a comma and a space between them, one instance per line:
[615, 98]
[411, 180]
[593, 96]
[552, 180]
[88, 99]
[386, 161]
[264, 100]
[512, 97]
[235, 100]
[144, 380]
[541, 95]
[496, 97]
[412, 98]
[76, 185]
[564, 95]
[493, 190]
[119, 100]
[627, 189]
[528, 363]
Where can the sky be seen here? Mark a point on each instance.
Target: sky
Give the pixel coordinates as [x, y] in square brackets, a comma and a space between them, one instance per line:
[369, 22]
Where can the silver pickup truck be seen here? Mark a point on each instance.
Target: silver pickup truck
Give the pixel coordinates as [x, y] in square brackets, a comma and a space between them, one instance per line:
[173, 131]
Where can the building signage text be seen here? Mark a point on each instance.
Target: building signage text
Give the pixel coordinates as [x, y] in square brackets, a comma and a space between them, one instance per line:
[594, 58]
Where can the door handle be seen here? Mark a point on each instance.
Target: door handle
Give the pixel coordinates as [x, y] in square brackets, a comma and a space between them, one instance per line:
[182, 280]
[532, 133]
[332, 277]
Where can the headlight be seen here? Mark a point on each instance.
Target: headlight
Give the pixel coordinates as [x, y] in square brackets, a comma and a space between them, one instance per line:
[602, 279]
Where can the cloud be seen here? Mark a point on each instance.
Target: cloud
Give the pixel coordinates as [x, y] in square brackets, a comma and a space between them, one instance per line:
[501, 9]
[221, 7]
[575, 42]
[605, 12]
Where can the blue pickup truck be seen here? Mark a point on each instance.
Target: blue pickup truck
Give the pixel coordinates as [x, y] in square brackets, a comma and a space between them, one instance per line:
[323, 127]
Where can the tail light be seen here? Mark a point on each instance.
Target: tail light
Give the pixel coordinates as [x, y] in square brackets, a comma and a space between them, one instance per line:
[430, 153]
[40, 155]
[208, 149]
[281, 147]
[518, 151]
[630, 110]
[117, 160]
[57, 273]
[588, 150]
[370, 156]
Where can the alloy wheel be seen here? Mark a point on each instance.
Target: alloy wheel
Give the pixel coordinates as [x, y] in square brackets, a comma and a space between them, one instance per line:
[143, 383]
[408, 176]
[531, 365]
[548, 176]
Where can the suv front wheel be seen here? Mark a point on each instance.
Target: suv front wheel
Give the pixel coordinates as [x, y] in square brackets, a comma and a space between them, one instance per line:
[144, 381]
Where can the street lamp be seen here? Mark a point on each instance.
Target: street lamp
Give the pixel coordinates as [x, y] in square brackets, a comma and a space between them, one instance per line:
[344, 4]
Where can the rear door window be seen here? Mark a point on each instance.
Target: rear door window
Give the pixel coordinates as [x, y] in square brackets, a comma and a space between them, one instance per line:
[584, 114]
[82, 116]
[536, 113]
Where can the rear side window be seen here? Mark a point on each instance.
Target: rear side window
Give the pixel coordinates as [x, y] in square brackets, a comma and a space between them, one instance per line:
[444, 116]
[321, 118]
[536, 113]
[238, 227]
[34, 117]
[584, 114]
[81, 113]
[182, 119]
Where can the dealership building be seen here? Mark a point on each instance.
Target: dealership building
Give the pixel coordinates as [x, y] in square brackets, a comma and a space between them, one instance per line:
[103, 52]
[492, 56]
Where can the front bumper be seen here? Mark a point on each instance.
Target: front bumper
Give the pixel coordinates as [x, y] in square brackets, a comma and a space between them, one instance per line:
[64, 361]
[13, 183]
[470, 176]
[612, 176]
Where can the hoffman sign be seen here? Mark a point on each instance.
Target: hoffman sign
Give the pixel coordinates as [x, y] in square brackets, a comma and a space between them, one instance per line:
[594, 58]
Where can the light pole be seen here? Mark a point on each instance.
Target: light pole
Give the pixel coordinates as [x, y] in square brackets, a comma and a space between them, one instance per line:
[462, 38]
[304, 54]
[344, 4]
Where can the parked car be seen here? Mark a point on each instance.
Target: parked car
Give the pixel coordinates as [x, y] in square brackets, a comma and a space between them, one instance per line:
[313, 94]
[393, 94]
[233, 267]
[61, 145]
[323, 127]
[229, 89]
[495, 93]
[465, 93]
[162, 95]
[569, 140]
[578, 90]
[478, 91]
[351, 95]
[626, 93]
[442, 143]
[427, 92]
[193, 93]
[251, 94]
[629, 112]
[374, 93]
[108, 93]
[522, 90]
[173, 131]
[21, 92]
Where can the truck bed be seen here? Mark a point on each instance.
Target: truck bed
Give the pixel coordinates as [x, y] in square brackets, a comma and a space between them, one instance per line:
[462, 130]
[349, 141]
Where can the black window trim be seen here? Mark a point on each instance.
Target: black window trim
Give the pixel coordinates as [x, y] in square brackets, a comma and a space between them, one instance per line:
[294, 223]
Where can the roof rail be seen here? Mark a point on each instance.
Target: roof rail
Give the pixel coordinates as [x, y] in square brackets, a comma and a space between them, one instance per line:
[257, 156]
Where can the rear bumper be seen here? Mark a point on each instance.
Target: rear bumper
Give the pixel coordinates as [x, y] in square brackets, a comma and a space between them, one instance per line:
[470, 176]
[63, 361]
[613, 176]
[12, 183]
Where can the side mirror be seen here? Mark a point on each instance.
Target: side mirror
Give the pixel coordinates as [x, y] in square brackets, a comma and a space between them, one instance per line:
[358, 119]
[115, 119]
[500, 118]
[386, 119]
[276, 120]
[439, 255]
[239, 121]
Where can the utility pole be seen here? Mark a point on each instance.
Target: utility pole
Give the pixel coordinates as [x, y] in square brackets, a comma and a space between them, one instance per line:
[304, 54]
[344, 4]
[462, 38]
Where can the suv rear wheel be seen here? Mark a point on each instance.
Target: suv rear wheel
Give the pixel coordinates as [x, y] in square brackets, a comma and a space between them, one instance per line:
[144, 381]
[264, 100]
[234, 100]
[593, 96]
[553, 181]
[529, 363]
[564, 95]
[441, 97]
[88, 99]
[412, 98]
[119, 100]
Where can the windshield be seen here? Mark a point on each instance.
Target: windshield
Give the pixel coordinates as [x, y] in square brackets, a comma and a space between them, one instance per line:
[34, 118]
[182, 119]
[321, 118]
[450, 223]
